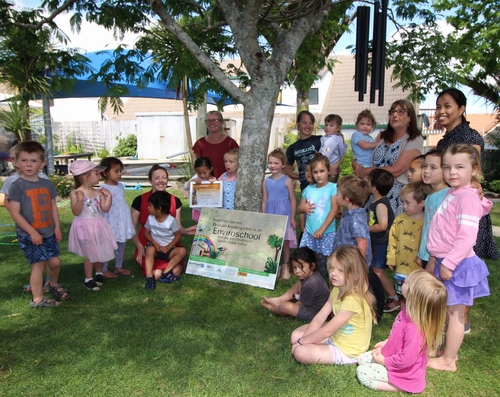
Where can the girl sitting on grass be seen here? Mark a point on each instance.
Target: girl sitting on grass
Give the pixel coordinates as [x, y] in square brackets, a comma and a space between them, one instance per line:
[342, 339]
[399, 362]
[307, 296]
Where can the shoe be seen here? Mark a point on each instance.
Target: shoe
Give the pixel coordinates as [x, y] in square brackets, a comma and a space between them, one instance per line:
[150, 284]
[99, 279]
[169, 278]
[92, 285]
[391, 305]
[467, 328]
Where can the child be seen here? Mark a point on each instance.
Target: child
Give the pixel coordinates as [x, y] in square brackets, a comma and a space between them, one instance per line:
[32, 206]
[203, 168]
[310, 181]
[347, 335]
[118, 216]
[5, 190]
[381, 182]
[352, 193]
[333, 145]
[399, 363]
[319, 205]
[90, 235]
[415, 170]
[432, 175]
[162, 233]
[229, 178]
[404, 238]
[310, 292]
[278, 197]
[452, 236]
[362, 144]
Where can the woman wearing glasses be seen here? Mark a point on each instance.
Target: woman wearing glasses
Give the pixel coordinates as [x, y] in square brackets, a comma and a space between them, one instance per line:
[400, 143]
[215, 144]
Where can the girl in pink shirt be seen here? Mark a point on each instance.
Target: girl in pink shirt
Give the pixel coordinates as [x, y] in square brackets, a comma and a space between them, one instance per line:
[451, 238]
[399, 363]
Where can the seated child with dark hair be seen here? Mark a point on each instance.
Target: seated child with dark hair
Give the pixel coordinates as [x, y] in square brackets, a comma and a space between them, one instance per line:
[381, 219]
[307, 296]
[162, 233]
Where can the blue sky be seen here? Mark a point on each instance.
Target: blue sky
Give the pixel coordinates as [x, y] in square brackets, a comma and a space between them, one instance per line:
[94, 38]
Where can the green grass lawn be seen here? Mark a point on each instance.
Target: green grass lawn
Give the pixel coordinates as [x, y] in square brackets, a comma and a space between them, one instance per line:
[197, 337]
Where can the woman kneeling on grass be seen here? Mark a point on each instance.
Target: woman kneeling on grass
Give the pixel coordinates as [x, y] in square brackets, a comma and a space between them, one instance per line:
[342, 339]
[307, 296]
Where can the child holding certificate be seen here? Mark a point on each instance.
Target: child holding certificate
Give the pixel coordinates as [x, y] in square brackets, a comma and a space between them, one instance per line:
[203, 168]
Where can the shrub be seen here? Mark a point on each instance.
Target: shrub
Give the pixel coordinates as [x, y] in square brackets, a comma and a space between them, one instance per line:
[64, 184]
[103, 153]
[494, 186]
[126, 146]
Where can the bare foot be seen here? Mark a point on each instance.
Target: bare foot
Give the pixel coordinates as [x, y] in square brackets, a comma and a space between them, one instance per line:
[109, 274]
[270, 303]
[441, 365]
[122, 272]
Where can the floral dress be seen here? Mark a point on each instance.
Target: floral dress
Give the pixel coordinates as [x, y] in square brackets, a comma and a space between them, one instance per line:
[387, 155]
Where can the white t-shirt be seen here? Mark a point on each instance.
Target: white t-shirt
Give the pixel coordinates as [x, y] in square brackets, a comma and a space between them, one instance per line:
[162, 232]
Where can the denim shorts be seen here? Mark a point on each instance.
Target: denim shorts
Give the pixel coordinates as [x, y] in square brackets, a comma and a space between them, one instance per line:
[379, 256]
[39, 253]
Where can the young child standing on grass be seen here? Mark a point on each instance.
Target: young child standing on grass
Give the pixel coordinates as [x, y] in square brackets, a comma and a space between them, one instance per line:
[361, 142]
[203, 168]
[404, 238]
[381, 219]
[432, 174]
[118, 216]
[32, 206]
[352, 193]
[307, 296]
[399, 363]
[415, 170]
[5, 190]
[90, 235]
[452, 236]
[310, 181]
[229, 178]
[162, 233]
[333, 145]
[278, 197]
[342, 339]
[319, 204]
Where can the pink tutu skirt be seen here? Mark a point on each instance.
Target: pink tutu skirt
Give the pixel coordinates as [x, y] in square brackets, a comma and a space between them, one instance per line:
[92, 238]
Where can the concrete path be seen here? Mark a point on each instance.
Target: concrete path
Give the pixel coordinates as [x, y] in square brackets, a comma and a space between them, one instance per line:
[496, 231]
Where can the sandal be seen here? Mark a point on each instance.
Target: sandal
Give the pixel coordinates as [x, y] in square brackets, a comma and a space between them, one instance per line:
[169, 278]
[59, 292]
[45, 302]
[150, 284]
[46, 286]
[122, 272]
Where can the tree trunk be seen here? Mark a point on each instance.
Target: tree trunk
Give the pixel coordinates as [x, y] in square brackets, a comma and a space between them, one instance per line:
[189, 141]
[302, 100]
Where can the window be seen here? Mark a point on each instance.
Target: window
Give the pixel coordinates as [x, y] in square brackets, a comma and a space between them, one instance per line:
[313, 96]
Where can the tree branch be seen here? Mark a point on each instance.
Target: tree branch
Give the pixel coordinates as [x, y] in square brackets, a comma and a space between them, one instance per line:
[43, 21]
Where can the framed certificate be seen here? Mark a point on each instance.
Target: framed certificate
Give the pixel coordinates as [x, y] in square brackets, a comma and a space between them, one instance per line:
[205, 195]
